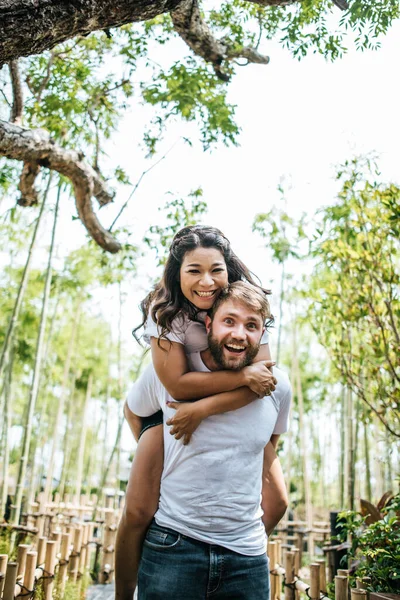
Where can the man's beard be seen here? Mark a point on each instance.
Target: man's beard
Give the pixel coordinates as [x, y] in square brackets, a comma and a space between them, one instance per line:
[217, 352]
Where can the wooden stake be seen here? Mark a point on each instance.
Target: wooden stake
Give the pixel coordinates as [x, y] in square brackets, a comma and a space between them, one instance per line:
[273, 577]
[341, 586]
[63, 566]
[49, 566]
[56, 537]
[314, 578]
[358, 594]
[11, 580]
[29, 577]
[322, 575]
[289, 576]
[41, 551]
[3, 569]
[21, 560]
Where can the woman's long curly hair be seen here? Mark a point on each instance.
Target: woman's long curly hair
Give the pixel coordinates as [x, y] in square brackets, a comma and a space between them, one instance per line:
[166, 300]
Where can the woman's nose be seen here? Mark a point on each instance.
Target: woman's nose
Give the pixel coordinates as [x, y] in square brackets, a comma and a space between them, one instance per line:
[207, 279]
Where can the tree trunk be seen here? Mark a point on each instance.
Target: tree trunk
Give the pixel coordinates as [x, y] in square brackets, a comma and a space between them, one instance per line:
[36, 375]
[302, 430]
[388, 471]
[342, 468]
[82, 441]
[67, 442]
[368, 490]
[350, 452]
[6, 435]
[22, 287]
[278, 351]
[61, 401]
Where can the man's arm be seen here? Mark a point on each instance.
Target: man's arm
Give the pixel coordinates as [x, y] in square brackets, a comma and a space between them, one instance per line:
[274, 500]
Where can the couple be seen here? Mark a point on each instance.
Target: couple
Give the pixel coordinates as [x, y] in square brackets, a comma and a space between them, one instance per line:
[208, 537]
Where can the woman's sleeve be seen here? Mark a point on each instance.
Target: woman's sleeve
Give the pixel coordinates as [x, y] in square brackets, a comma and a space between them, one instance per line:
[143, 398]
[151, 329]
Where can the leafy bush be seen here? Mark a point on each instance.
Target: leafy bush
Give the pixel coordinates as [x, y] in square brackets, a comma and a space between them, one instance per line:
[375, 544]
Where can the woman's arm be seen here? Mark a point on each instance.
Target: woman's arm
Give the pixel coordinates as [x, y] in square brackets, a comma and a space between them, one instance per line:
[189, 415]
[171, 366]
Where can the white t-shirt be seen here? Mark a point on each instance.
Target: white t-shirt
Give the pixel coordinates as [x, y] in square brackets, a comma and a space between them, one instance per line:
[211, 488]
[192, 334]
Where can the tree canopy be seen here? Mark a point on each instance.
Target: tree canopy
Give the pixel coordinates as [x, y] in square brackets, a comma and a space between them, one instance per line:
[76, 102]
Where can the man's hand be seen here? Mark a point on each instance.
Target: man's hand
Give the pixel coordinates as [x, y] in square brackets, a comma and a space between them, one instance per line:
[259, 378]
[185, 421]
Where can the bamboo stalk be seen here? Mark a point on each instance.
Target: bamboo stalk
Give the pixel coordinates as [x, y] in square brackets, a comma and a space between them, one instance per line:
[358, 594]
[21, 560]
[272, 564]
[29, 576]
[11, 580]
[3, 569]
[63, 565]
[49, 565]
[314, 579]
[322, 574]
[341, 587]
[289, 576]
[41, 550]
[74, 556]
[56, 537]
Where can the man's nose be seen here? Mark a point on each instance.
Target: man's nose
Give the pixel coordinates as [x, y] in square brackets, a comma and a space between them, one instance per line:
[239, 332]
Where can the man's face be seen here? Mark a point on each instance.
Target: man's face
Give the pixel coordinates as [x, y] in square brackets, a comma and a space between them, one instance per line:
[234, 335]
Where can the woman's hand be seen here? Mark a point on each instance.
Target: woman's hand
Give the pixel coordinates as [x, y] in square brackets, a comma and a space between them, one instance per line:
[259, 378]
[185, 421]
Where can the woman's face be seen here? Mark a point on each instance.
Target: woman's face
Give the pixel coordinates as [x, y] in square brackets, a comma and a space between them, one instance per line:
[203, 274]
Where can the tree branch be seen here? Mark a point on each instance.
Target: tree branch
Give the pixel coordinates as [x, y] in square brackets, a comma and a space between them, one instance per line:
[36, 146]
[29, 194]
[192, 28]
[18, 101]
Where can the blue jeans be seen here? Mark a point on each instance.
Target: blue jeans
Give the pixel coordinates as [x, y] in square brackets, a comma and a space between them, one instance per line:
[176, 567]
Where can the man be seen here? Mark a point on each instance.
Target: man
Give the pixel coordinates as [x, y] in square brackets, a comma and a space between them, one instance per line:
[208, 539]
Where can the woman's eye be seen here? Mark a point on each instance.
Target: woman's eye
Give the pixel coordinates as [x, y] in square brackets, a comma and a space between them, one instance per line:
[193, 271]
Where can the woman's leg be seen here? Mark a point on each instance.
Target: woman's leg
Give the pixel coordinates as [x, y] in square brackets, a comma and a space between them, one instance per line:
[141, 503]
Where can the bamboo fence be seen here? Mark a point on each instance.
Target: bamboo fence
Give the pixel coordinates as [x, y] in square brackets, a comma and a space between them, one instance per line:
[68, 542]
[71, 540]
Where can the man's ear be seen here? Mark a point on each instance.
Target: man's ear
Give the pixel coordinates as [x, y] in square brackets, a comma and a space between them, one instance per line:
[207, 323]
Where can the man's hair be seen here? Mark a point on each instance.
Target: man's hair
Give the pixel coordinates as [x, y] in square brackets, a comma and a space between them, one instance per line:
[247, 294]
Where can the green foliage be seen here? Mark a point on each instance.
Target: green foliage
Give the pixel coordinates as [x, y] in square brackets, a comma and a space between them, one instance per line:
[376, 546]
[180, 213]
[195, 94]
[282, 232]
[355, 308]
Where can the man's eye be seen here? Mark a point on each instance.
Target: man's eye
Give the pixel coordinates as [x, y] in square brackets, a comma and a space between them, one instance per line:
[252, 326]
[228, 321]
